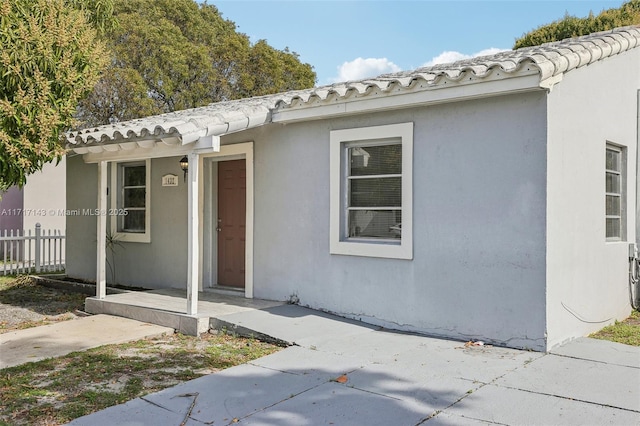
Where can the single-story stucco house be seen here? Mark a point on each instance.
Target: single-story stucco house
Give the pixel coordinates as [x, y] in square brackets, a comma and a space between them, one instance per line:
[492, 198]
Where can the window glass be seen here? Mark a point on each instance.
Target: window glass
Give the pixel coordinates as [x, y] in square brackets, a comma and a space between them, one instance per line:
[614, 194]
[134, 221]
[134, 176]
[375, 224]
[133, 198]
[613, 182]
[613, 160]
[376, 192]
[375, 160]
[613, 228]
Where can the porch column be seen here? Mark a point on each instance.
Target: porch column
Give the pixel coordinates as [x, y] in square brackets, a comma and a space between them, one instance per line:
[101, 249]
[193, 253]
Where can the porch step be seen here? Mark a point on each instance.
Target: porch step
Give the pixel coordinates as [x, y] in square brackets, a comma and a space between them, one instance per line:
[229, 291]
[183, 323]
[167, 307]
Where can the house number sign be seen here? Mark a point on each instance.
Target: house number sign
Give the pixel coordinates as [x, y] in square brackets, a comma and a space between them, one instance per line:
[170, 180]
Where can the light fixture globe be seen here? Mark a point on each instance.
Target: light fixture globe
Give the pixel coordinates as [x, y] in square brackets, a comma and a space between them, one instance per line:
[184, 165]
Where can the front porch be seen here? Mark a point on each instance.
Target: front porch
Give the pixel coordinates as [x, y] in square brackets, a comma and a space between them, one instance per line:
[211, 220]
[166, 307]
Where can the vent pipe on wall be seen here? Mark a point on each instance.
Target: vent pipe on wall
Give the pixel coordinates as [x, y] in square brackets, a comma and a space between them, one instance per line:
[634, 276]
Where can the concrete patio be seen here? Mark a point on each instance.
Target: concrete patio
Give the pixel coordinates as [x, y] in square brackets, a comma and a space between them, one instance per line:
[167, 307]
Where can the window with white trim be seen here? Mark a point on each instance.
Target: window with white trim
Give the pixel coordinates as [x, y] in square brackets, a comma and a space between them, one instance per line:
[614, 193]
[371, 191]
[130, 201]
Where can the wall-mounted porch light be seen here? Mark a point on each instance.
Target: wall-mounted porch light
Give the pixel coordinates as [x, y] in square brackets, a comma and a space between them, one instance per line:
[184, 165]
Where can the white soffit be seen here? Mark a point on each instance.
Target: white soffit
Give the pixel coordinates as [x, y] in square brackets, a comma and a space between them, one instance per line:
[547, 63]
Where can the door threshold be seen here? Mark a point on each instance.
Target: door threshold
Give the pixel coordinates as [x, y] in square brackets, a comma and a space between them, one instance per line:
[221, 289]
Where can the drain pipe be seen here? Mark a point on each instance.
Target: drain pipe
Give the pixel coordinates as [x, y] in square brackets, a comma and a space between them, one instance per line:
[634, 275]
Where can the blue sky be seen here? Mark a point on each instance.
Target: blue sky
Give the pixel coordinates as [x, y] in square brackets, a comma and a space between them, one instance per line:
[348, 40]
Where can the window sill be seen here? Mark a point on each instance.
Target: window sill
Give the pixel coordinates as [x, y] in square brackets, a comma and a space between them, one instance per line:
[380, 250]
[132, 237]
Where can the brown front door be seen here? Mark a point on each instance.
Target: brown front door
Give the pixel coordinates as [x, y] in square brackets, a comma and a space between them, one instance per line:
[232, 191]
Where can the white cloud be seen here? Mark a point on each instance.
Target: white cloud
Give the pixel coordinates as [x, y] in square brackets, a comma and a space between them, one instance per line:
[360, 68]
[452, 56]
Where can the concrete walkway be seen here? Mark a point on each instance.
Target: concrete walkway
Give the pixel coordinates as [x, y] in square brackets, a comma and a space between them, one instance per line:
[54, 340]
[347, 373]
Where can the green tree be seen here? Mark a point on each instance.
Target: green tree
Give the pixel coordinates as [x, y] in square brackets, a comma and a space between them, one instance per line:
[571, 26]
[269, 70]
[50, 59]
[170, 55]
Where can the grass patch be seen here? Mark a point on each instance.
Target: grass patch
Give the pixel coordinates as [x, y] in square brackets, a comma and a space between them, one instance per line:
[5, 281]
[56, 391]
[627, 331]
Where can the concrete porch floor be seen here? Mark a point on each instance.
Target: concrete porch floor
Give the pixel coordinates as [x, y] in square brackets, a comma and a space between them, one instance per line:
[167, 307]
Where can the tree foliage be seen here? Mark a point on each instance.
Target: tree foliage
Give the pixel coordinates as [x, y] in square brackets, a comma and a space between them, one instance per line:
[571, 26]
[50, 59]
[175, 54]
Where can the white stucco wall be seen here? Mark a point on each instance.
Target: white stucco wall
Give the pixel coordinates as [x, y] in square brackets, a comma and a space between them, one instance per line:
[478, 270]
[41, 200]
[587, 278]
[45, 197]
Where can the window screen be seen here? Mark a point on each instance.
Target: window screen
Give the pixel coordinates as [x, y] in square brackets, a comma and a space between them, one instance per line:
[374, 191]
[133, 198]
[613, 193]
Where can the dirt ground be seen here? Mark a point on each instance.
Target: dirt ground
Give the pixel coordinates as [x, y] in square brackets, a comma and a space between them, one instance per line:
[24, 304]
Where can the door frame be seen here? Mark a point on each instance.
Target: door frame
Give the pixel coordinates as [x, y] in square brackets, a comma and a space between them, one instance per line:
[209, 198]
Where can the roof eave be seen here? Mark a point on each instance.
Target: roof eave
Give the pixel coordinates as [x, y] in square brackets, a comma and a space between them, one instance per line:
[186, 137]
[417, 96]
[120, 152]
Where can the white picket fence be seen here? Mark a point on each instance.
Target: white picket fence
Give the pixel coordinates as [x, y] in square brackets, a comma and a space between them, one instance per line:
[26, 252]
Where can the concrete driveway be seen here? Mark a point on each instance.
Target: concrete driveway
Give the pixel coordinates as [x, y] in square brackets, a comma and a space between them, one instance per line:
[348, 373]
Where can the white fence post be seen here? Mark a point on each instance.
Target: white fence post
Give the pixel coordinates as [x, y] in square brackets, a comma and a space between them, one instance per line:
[38, 240]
